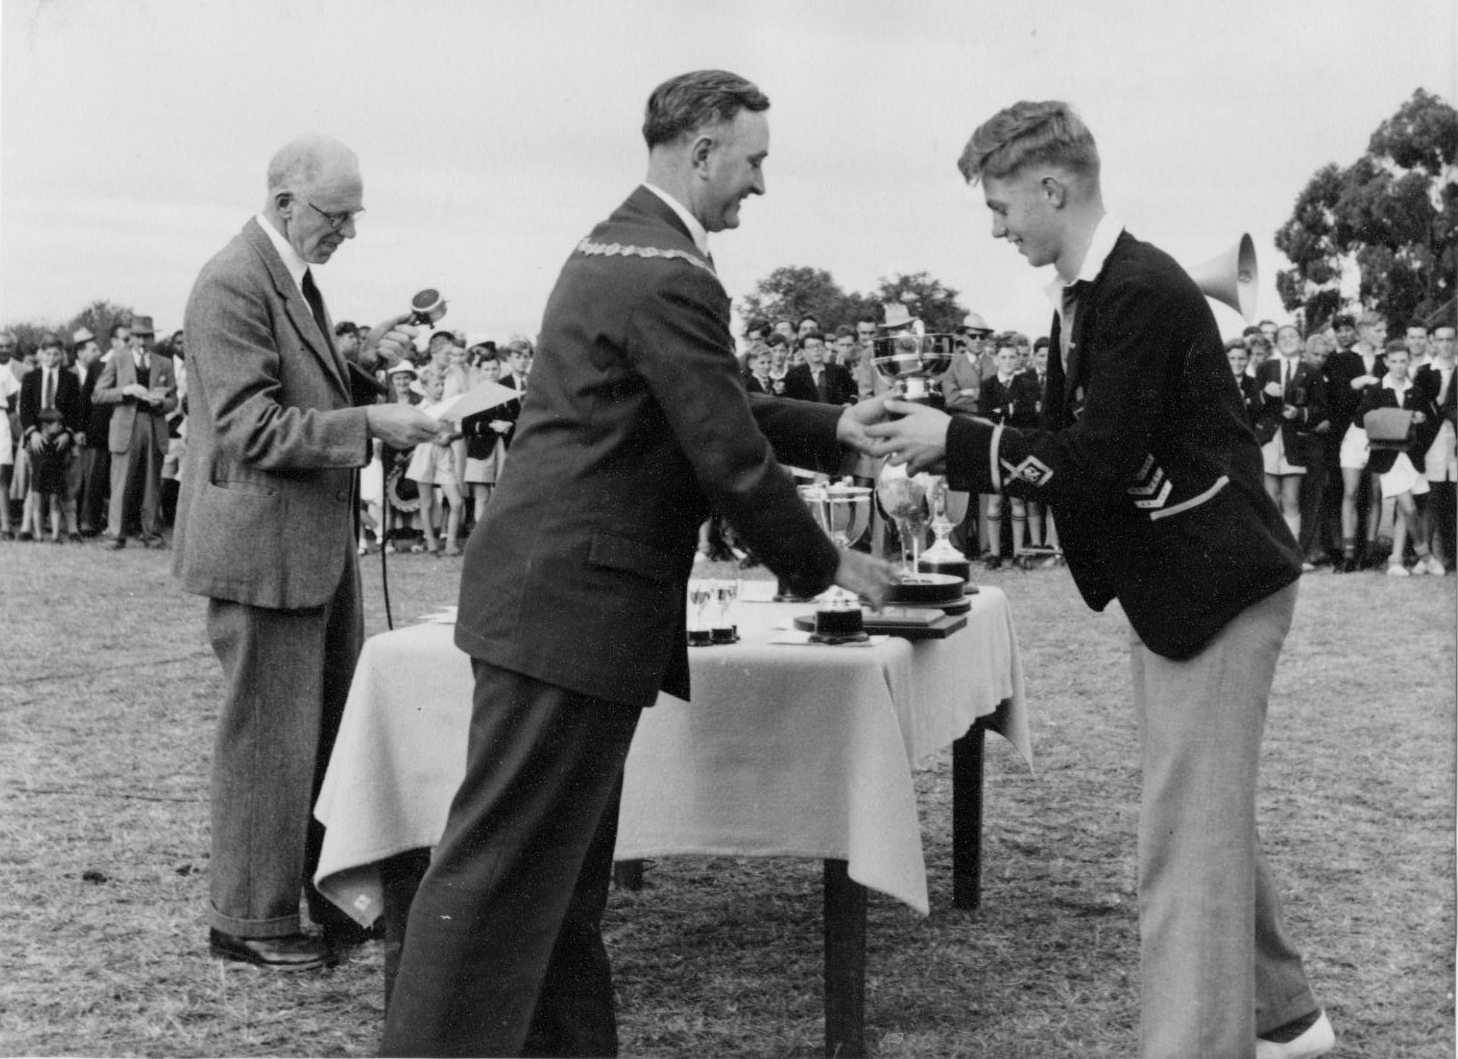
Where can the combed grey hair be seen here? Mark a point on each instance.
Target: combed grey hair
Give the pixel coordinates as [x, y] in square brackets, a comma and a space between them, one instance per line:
[297, 164]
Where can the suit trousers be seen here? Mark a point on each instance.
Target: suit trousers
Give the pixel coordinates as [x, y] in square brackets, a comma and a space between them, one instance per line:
[136, 478]
[286, 677]
[91, 508]
[1216, 965]
[503, 951]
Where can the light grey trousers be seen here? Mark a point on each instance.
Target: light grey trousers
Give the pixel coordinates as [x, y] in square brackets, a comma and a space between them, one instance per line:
[1216, 965]
[286, 677]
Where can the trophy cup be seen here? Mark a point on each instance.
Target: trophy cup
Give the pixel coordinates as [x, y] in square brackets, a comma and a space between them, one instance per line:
[911, 360]
[843, 511]
[700, 594]
[948, 509]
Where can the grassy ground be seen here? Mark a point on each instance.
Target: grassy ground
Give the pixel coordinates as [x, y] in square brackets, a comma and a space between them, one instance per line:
[107, 700]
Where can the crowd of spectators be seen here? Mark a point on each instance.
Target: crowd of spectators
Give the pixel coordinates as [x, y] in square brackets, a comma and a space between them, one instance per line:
[1353, 503]
[91, 442]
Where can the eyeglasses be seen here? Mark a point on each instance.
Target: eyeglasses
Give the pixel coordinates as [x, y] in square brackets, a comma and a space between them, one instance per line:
[336, 221]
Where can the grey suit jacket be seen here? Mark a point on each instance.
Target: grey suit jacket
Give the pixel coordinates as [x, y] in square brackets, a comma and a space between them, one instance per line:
[264, 516]
[119, 373]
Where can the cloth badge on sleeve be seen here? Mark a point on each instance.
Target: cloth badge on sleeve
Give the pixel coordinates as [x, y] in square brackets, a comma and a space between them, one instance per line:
[1151, 488]
[1031, 470]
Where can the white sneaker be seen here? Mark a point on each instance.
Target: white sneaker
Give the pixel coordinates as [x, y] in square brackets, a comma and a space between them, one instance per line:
[1398, 570]
[1318, 1039]
[1435, 566]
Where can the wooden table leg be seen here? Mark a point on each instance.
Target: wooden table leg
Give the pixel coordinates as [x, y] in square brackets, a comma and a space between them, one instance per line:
[967, 818]
[845, 962]
[400, 877]
[628, 874]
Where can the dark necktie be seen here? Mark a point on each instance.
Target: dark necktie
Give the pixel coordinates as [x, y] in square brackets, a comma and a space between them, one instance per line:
[48, 397]
[316, 303]
[821, 390]
[1070, 307]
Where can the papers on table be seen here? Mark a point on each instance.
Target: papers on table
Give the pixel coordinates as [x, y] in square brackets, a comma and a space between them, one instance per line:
[443, 616]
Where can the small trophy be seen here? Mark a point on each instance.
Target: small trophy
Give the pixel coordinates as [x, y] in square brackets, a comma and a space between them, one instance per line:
[843, 511]
[948, 509]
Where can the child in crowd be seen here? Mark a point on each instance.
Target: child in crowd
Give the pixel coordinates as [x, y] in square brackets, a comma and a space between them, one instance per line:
[432, 467]
[1011, 398]
[1400, 472]
[48, 475]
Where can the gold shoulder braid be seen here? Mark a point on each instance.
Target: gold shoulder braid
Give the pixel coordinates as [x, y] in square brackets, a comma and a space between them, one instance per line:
[588, 247]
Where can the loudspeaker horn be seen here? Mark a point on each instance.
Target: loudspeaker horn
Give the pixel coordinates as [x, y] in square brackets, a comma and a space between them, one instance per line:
[1231, 277]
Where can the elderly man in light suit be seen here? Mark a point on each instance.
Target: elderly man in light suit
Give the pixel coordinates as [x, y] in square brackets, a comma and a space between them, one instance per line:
[279, 422]
[143, 390]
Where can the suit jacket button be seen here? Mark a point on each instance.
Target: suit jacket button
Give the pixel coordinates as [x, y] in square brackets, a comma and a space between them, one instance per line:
[342, 495]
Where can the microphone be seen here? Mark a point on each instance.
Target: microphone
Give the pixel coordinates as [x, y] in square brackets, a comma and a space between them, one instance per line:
[427, 307]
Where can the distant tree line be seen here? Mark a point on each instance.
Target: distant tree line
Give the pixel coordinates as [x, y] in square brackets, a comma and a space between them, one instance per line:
[794, 292]
[1390, 219]
[98, 318]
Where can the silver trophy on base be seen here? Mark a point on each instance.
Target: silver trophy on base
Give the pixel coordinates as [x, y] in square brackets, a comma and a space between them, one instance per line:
[843, 512]
[911, 360]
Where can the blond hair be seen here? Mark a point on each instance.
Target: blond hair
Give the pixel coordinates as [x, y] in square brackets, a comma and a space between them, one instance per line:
[1030, 133]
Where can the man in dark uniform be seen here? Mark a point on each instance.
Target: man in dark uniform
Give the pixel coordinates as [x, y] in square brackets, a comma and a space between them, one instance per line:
[635, 426]
[1147, 458]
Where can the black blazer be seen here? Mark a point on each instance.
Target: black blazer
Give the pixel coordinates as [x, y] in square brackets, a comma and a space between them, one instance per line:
[1016, 404]
[635, 425]
[1307, 394]
[1430, 379]
[67, 398]
[1341, 368]
[800, 384]
[1416, 399]
[1147, 458]
[476, 429]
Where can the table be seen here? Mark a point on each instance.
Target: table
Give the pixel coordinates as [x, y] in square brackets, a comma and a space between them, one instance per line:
[785, 750]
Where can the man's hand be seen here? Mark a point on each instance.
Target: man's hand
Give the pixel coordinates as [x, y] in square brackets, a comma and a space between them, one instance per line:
[63, 442]
[388, 343]
[401, 426]
[137, 390]
[37, 442]
[851, 428]
[865, 575]
[918, 439]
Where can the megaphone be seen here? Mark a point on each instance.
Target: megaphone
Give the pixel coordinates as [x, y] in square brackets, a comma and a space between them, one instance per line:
[427, 307]
[1231, 277]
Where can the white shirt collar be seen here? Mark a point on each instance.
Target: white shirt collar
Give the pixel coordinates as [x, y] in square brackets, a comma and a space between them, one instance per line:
[296, 265]
[1105, 235]
[697, 231]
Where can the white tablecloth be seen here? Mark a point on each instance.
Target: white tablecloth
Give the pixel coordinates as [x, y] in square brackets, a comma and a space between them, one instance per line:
[784, 750]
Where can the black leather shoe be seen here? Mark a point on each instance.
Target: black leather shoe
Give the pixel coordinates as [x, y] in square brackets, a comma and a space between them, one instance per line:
[292, 952]
[116, 543]
[341, 937]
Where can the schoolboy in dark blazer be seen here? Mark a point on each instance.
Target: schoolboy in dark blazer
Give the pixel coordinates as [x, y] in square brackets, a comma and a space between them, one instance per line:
[1156, 482]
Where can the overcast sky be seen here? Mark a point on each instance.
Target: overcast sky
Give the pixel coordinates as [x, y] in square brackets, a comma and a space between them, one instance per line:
[492, 136]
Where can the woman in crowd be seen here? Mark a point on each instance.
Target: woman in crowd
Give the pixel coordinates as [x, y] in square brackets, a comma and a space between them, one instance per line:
[433, 467]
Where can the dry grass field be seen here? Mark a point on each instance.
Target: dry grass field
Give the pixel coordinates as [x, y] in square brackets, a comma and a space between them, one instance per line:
[108, 694]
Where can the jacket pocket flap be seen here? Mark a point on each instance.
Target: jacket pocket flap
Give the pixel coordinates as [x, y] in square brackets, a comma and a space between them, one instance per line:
[624, 553]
